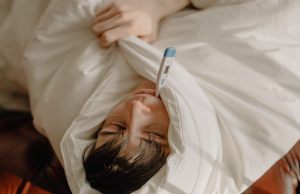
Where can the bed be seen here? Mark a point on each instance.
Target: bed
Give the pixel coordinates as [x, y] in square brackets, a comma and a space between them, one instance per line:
[233, 95]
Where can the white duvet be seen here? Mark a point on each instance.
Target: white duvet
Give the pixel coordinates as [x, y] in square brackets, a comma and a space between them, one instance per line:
[233, 95]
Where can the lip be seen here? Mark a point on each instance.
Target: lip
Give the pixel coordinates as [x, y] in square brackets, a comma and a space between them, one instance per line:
[145, 98]
[146, 91]
[140, 97]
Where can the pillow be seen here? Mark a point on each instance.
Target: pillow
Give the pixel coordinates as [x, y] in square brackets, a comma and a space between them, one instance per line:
[17, 25]
[64, 65]
[233, 110]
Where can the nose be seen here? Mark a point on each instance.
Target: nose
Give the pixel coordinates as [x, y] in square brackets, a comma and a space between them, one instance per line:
[140, 115]
[138, 107]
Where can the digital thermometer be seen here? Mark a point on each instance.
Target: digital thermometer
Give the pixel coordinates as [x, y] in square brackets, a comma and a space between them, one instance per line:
[164, 69]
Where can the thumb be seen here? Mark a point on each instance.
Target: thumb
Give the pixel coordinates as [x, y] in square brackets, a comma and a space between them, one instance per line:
[148, 38]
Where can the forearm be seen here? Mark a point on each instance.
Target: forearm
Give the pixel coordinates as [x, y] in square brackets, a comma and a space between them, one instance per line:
[168, 7]
[158, 8]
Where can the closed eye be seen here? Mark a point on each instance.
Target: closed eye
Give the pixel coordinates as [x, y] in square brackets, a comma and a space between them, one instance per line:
[119, 125]
[155, 142]
[113, 127]
[154, 134]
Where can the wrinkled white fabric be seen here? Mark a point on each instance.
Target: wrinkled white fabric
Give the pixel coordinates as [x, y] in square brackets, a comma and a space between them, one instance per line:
[211, 3]
[233, 95]
[18, 20]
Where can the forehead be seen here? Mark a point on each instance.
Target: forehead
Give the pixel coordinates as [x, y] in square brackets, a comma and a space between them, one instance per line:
[129, 144]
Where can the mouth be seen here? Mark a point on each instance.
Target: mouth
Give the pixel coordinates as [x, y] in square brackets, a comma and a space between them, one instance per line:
[146, 91]
[145, 95]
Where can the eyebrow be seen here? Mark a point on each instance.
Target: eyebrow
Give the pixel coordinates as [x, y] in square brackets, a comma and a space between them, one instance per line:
[118, 133]
[148, 141]
[154, 125]
[112, 135]
[109, 133]
[147, 126]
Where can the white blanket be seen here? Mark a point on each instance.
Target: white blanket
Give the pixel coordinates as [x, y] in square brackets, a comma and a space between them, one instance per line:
[233, 96]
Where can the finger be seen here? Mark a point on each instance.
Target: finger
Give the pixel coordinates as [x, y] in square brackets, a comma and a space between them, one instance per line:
[148, 38]
[113, 35]
[104, 8]
[145, 38]
[113, 9]
[105, 15]
[109, 24]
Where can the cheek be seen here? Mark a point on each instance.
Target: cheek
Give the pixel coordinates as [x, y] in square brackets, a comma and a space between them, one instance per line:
[165, 115]
[162, 117]
[118, 109]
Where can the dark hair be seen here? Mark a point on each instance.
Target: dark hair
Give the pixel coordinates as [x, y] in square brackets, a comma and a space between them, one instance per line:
[110, 172]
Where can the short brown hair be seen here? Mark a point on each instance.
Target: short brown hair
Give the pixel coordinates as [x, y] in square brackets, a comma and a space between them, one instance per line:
[111, 173]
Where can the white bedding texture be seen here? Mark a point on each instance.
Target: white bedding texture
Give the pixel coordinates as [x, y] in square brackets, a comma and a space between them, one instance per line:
[233, 96]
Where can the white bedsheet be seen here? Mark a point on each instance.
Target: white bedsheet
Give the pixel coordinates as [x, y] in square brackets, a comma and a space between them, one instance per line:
[233, 95]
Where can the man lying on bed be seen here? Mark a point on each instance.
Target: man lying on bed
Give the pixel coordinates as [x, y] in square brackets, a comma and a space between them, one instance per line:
[132, 144]
[127, 153]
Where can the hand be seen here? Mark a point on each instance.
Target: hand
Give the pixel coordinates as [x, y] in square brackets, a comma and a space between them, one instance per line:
[119, 19]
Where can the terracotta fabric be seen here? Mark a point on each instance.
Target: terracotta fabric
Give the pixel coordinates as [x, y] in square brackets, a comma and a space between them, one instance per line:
[282, 178]
[10, 183]
[26, 153]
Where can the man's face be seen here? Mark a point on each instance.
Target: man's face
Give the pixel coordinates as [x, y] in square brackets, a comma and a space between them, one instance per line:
[139, 117]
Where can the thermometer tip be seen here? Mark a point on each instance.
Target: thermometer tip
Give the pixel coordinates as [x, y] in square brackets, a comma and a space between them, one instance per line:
[170, 52]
